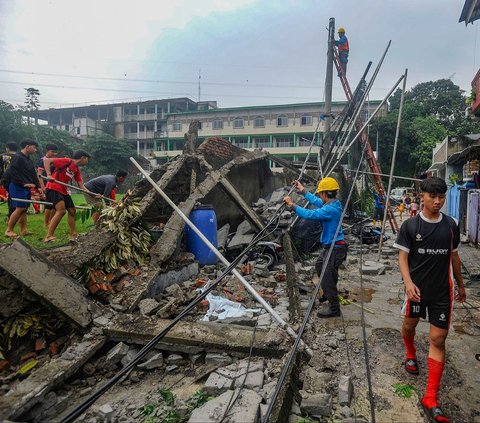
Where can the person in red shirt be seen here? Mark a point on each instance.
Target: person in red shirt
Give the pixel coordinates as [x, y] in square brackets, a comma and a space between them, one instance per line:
[64, 170]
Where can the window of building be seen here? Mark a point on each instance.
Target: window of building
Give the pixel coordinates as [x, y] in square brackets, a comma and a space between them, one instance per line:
[259, 122]
[78, 131]
[304, 140]
[150, 110]
[284, 141]
[240, 142]
[262, 142]
[282, 121]
[238, 123]
[150, 127]
[306, 120]
[67, 127]
[177, 126]
[200, 125]
[218, 124]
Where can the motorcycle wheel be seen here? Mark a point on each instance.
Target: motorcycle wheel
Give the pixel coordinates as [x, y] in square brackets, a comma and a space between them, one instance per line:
[266, 259]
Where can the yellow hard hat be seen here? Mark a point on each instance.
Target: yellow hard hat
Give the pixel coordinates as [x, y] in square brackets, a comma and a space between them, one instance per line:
[328, 184]
[341, 29]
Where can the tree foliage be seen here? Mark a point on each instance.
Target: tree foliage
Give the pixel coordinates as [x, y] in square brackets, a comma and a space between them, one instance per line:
[432, 110]
[108, 153]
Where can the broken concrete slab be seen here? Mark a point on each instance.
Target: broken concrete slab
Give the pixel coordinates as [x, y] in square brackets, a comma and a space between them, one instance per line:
[217, 384]
[148, 306]
[33, 389]
[117, 353]
[370, 267]
[316, 404]
[246, 408]
[42, 277]
[139, 329]
[316, 381]
[222, 236]
[345, 390]
[153, 362]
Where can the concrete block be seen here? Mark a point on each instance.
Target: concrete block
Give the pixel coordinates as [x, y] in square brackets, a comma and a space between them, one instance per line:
[105, 412]
[117, 353]
[196, 359]
[246, 408]
[58, 290]
[101, 321]
[316, 381]
[345, 390]
[131, 354]
[164, 280]
[244, 228]
[217, 384]
[254, 380]
[175, 359]
[148, 306]
[152, 363]
[373, 268]
[316, 404]
[220, 359]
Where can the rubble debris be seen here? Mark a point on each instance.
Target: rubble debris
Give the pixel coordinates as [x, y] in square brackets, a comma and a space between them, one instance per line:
[153, 362]
[345, 390]
[316, 404]
[370, 267]
[32, 390]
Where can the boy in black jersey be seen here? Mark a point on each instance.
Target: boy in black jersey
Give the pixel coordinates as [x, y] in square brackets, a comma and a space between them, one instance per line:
[428, 251]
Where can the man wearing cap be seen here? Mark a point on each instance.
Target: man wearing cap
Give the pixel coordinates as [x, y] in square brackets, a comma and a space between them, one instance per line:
[329, 211]
[343, 49]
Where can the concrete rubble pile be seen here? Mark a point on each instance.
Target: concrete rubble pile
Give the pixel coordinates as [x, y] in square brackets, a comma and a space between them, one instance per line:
[223, 360]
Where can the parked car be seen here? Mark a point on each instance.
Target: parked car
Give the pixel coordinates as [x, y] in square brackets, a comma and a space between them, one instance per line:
[396, 194]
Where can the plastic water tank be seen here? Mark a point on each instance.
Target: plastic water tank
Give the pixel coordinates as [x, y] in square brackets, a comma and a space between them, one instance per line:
[205, 219]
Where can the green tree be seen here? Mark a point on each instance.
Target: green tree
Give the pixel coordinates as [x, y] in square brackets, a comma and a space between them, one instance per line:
[32, 103]
[428, 132]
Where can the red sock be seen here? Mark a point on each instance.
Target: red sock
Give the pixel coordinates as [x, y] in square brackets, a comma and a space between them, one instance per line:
[410, 346]
[435, 370]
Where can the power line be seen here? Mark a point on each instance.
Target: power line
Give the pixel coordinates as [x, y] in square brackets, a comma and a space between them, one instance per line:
[76, 87]
[159, 81]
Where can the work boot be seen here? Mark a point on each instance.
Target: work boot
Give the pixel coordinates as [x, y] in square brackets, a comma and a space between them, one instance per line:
[331, 310]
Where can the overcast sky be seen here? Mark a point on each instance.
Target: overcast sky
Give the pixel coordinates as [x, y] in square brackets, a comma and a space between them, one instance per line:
[248, 52]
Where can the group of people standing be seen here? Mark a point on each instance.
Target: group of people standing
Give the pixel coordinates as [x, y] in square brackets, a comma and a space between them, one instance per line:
[429, 264]
[23, 182]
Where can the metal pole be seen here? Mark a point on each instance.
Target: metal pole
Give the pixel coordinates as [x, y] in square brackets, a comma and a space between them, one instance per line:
[384, 174]
[86, 191]
[21, 200]
[249, 288]
[392, 167]
[365, 125]
[328, 86]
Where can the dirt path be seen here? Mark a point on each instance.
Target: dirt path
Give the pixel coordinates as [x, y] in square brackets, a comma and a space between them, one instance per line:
[460, 392]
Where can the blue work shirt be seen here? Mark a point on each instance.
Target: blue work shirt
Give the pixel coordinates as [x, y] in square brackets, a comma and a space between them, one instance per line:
[329, 214]
[380, 200]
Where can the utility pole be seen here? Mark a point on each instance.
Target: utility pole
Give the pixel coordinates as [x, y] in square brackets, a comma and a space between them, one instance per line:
[328, 88]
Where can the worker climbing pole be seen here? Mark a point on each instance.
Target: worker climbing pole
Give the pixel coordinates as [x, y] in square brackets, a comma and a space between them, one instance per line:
[371, 160]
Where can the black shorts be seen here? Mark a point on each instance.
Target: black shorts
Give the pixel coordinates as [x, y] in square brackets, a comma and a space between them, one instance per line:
[55, 197]
[378, 213]
[439, 312]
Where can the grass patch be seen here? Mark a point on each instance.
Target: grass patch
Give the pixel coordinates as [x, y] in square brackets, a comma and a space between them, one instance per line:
[35, 225]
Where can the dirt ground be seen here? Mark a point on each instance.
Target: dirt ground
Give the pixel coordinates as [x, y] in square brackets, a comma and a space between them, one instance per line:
[460, 393]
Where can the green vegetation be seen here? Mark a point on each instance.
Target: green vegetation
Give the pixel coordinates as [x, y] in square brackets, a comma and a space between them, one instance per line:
[404, 390]
[35, 225]
[432, 110]
[165, 412]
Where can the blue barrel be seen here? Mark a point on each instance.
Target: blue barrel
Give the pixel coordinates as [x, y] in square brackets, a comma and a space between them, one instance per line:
[204, 218]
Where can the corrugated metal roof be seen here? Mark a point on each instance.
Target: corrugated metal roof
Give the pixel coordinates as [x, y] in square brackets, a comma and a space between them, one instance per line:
[470, 12]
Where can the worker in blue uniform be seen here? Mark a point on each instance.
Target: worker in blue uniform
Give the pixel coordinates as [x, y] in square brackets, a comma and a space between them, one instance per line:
[343, 49]
[328, 210]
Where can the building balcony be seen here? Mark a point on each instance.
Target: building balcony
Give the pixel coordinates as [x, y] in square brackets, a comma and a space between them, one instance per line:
[146, 135]
[139, 118]
[476, 102]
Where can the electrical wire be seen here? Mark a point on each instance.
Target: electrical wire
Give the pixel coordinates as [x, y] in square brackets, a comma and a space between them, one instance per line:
[311, 305]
